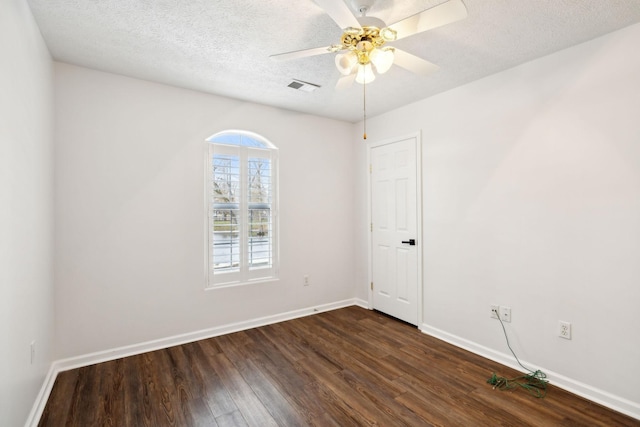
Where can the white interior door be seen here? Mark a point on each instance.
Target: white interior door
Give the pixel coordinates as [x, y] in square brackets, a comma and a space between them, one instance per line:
[394, 229]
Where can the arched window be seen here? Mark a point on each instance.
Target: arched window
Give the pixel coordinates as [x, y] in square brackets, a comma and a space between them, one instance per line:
[242, 209]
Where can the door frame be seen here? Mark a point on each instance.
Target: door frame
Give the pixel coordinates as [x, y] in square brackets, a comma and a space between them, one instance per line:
[370, 145]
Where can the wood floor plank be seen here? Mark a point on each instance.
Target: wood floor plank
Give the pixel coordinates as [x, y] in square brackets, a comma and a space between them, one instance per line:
[382, 397]
[111, 391]
[343, 352]
[292, 383]
[209, 347]
[139, 393]
[197, 413]
[262, 347]
[59, 406]
[325, 420]
[232, 419]
[523, 410]
[312, 400]
[344, 412]
[265, 389]
[189, 380]
[369, 411]
[291, 348]
[347, 367]
[169, 389]
[215, 393]
[87, 396]
[593, 411]
[445, 391]
[435, 407]
[252, 409]
[292, 332]
[290, 375]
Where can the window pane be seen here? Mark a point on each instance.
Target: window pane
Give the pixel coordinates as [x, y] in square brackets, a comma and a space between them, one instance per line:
[225, 179]
[259, 170]
[226, 247]
[260, 223]
[238, 140]
[260, 241]
[225, 212]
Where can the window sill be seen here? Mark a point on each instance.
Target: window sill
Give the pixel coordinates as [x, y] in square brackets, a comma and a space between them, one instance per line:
[235, 284]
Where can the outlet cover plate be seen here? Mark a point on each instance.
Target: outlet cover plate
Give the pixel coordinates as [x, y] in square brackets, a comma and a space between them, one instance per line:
[564, 330]
[505, 314]
[495, 309]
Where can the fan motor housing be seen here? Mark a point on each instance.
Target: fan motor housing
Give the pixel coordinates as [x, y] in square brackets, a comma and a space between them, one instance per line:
[362, 6]
[371, 21]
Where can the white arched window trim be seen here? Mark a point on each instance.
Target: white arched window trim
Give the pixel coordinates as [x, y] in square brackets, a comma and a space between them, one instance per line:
[241, 183]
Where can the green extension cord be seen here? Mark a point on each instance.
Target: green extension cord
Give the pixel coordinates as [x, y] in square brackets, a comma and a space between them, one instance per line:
[534, 382]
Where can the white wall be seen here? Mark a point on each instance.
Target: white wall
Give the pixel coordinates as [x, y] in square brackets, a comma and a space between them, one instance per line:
[531, 182]
[130, 211]
[26, 209]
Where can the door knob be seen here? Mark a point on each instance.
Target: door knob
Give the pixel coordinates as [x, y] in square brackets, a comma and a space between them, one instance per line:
[410, 242]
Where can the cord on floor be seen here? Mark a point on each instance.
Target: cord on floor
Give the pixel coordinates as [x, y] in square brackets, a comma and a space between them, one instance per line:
[535, 382]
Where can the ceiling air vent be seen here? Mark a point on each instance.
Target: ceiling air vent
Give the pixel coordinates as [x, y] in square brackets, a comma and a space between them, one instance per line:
[303, 86]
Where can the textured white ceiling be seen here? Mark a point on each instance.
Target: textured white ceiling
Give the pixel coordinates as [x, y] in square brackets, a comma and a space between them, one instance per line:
[223, 46]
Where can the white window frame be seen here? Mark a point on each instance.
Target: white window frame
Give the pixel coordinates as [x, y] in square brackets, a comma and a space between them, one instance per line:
[245, 274]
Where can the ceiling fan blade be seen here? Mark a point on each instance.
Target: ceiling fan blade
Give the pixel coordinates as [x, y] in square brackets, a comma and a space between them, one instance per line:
[413, 63]
[345, 82]
[301, 53]
[443, 14]
[339, 12]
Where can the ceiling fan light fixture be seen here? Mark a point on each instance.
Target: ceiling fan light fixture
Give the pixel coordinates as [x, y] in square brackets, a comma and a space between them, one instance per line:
[365, 74]
[335, 47]
[345, 62]
[364, 46]
[382, 59]
[353, 31]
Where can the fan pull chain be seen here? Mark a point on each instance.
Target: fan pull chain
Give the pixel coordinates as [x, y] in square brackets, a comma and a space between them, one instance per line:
[364, 108]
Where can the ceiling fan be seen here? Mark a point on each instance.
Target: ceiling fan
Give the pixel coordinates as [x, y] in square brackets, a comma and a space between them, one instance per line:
[363, 46]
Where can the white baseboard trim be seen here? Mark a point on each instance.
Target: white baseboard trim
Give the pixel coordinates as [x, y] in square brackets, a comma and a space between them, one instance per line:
[361, 303]
[41, 400]
[596, 395]
[131, 350]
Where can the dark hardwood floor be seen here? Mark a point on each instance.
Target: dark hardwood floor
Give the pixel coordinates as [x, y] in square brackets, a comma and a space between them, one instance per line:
[347, 367]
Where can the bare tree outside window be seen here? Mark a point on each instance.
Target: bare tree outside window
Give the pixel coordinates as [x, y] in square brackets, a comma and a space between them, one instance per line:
[259, 211]
[226, 182]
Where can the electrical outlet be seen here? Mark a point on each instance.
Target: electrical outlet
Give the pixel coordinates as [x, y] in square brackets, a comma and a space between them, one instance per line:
[306, 280]
[495, 309]
[564, 330]
[505, 314]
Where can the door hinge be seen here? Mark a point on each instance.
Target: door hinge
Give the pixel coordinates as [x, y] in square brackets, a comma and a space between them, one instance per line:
[371, 285]
[371, 227]
[370, 168]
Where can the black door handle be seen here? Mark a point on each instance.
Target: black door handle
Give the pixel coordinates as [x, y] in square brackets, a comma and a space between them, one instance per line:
[411, 242]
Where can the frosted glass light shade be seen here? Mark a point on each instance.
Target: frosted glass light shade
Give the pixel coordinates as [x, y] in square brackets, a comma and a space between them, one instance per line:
[388, 34]
[382, 59]
[365, 74]
[345, 62]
